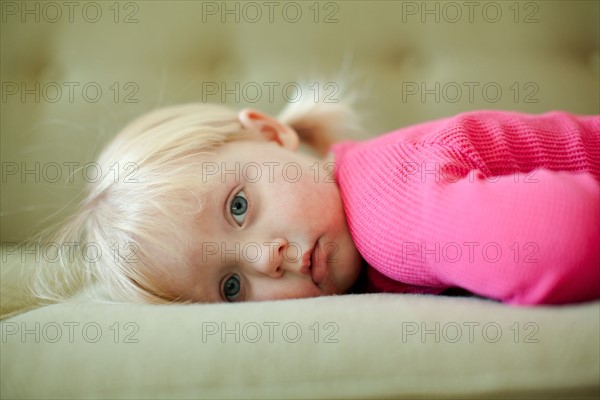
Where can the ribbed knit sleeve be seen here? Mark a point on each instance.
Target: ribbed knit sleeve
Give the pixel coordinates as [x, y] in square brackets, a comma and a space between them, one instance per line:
[503, 204]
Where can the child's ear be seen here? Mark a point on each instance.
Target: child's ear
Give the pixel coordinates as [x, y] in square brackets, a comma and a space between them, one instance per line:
[270, 128]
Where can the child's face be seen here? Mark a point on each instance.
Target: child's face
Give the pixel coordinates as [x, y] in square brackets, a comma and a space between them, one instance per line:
[273, 227]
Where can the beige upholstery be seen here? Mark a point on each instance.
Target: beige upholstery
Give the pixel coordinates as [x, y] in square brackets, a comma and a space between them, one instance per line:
[406, 63]
[376, 346]
[358, 346]
[171, 55]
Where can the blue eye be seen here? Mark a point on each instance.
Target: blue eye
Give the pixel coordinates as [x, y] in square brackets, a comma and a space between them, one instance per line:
[231, 288]
[238, 208]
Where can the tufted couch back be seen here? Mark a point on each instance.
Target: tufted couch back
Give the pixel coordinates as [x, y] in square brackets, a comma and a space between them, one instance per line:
[73, 73]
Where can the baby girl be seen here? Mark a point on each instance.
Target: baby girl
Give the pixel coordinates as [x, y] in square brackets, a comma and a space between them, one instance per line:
[214, 205]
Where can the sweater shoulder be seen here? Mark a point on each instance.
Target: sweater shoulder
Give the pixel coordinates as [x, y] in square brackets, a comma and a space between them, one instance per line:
[494, 142]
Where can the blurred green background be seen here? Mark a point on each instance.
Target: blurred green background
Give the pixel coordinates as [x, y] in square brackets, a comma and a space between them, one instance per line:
[73, 73]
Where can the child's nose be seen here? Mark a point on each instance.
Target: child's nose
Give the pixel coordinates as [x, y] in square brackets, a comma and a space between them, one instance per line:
[270, 260]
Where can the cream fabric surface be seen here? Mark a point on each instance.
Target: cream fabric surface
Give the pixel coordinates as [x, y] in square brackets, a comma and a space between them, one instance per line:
[353, 346]
[368, 350]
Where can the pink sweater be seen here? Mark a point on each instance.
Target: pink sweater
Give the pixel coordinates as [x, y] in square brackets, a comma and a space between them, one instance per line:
[503, 204]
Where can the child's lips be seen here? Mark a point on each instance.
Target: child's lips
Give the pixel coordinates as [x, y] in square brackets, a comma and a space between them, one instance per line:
[307, 261]
[318, 261]
[314, 263]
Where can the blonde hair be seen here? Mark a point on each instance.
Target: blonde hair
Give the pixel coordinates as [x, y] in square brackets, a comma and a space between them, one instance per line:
[133, 217]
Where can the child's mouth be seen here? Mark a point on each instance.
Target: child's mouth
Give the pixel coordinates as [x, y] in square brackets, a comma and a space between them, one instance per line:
[318, 264]
[307, 262]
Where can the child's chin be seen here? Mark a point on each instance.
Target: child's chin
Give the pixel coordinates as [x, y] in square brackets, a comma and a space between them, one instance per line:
[331, 290]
